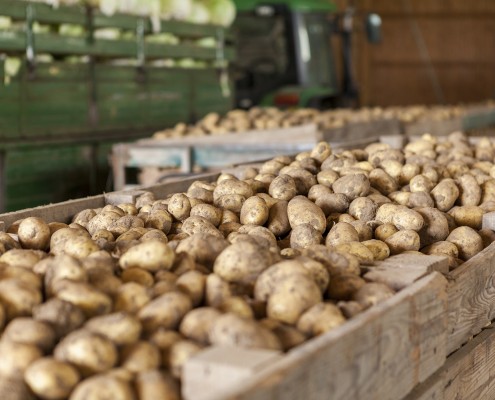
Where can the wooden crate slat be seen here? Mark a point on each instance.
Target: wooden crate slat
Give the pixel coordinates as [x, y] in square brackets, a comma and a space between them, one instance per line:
[471, 298]
[379, 355]
[467, 374]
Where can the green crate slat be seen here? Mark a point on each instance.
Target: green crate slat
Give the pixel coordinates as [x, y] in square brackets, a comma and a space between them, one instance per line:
[57, 92]
[61, 72]
[55, 44]
[77, 15]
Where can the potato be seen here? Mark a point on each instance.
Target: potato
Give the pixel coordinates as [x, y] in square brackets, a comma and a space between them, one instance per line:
[254, 211]
[371, 294]
[301, 211]
[30, 331]
[242, 263]
[343, 286]
[288, 336]
[131, 297]
[63, 267]
[29, 277]
[404, 240]
[291, 297]
[140, 356]
[316, 270]
[193, 284]
[102, 387]
[151, 256]
[445, 194]
[138, 275]
[159, 219]
[470, 191]
[178, 354]
[353, 186]
[341, 233]
[471, 216]
[436, 227]
[304, 235]
[90, 300]
[379, 249]
[320, 318]
[363, 208]
[384, 231]
[16, 358]
[63, 316]
[8, 242]
[421, 183]
[51, 379]
[34, 233]
[350, 308]
[364, 229]
[196, 224]
[21, 258]
[102, 221]
[232, 187]
[327, 177]
[467, 240]
[321, 152]
[235, 331]
[269, 279]
[154, 384]
[420, 199]
[333, 261]
[303, 178]
[203, 248]
[179, 206]
[217, 290]
[18, 298]
[238, 305]
[283, 187]
[408, 172]
[386, 212]
[209, 212]
[278, 219]
[407, 219]
[83, 217]
[333, 203]
[442, 248]
[382, 181]
[358, 250]
[165, 311]
[121, 328]
[487, 235]
[197, 323]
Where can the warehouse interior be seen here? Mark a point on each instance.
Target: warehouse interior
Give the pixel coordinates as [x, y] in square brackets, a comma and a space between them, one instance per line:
[247, 199]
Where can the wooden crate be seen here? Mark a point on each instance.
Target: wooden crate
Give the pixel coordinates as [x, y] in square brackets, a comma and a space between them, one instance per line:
[381, 354]
[223, 150]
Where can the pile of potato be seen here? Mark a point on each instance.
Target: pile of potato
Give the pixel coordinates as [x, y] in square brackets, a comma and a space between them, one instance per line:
[113, 304]
[269, 118]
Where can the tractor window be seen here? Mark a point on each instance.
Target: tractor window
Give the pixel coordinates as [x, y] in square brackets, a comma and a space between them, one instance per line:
[261, 45]
[318, 67]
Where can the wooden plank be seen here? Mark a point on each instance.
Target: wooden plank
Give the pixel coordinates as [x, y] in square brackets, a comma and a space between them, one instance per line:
[402, 270]
[468, 374]
[471, 291]
[379, 355]
[59, 212]
[217, 367]
[489, 221]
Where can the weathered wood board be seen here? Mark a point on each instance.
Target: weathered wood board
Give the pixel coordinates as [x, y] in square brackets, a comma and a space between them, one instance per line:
[468, 374]
[379, 355]
[471, 292]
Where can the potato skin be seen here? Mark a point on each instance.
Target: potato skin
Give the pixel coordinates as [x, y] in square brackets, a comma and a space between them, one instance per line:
[197, 323]
[470, 191]
[151, 256]
[165, 311]
[379, 249]
[341, 233]
[467, 240]
[254, 211]
[405, 218]
[303, 211]
[343, 286]
[445, 194]
[242, 263]
[34, 233]
[233, 330]
[363, 208]
[320, 318]
[278, 219]
[471, 216]
[292, 296]
[283, 187]
[90, 352]
[304, 235]
[404, 240]
[101, 387]
[352, 186]
[51, 379]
